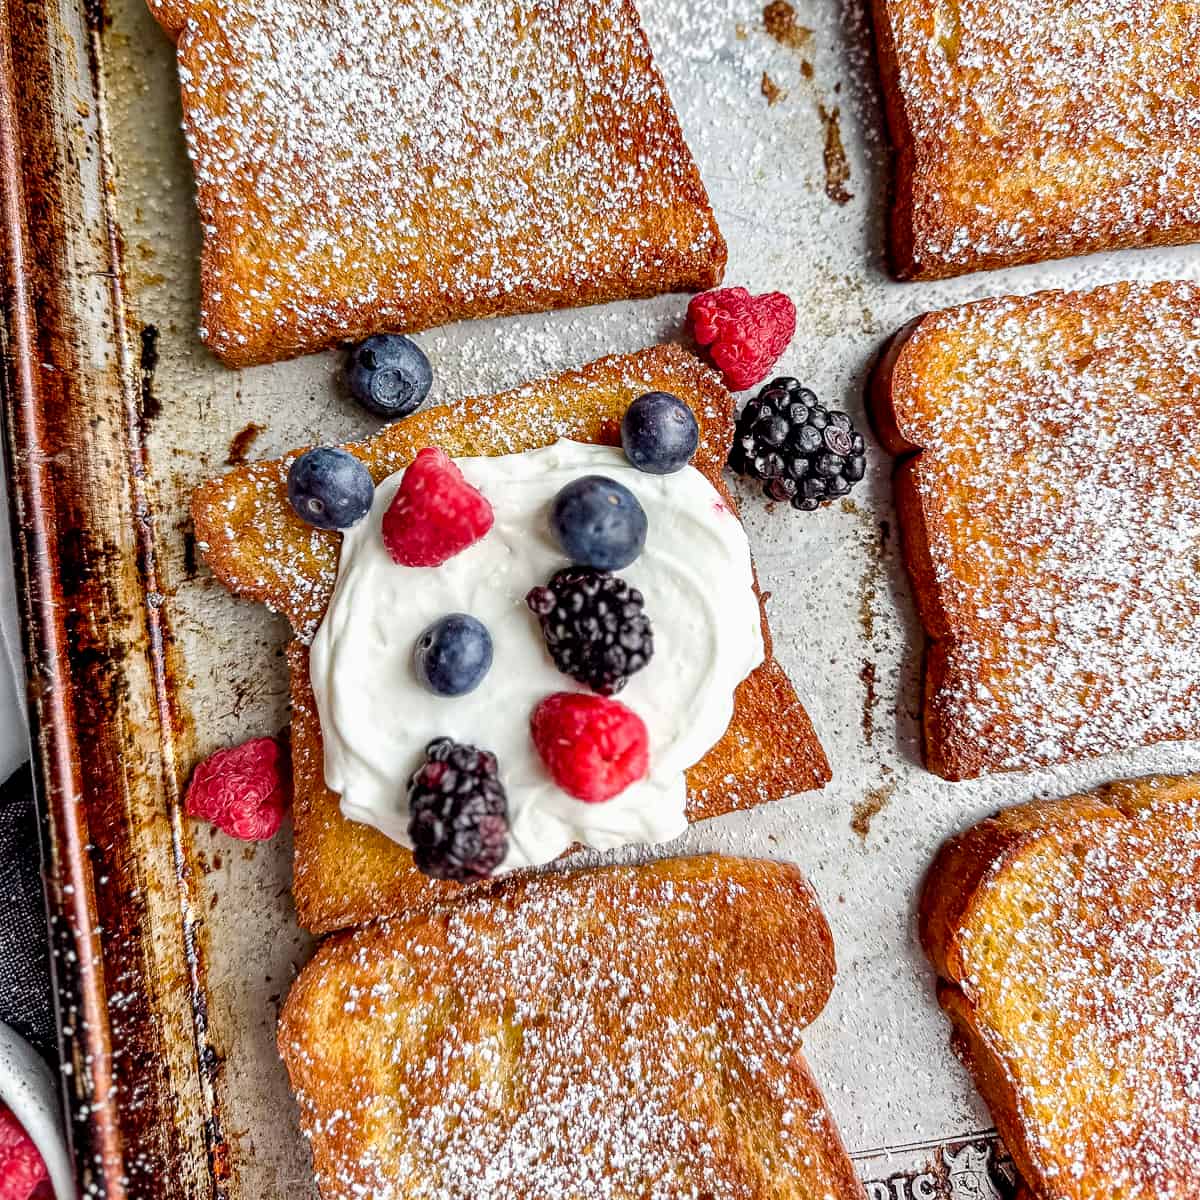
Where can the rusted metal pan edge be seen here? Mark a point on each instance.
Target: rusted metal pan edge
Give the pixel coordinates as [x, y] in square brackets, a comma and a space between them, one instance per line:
[127, 1108]
[71, 906]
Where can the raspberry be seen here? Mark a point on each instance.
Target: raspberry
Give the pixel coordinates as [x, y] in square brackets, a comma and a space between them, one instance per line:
[593, 747]
[22, 1171]
[436, 514]
[745, 334]
[243, 791]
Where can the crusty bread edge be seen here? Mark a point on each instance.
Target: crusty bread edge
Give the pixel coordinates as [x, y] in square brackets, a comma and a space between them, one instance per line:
[507, 892]
[956, 885]
[944, 753]
[170, 14]
[900, 245]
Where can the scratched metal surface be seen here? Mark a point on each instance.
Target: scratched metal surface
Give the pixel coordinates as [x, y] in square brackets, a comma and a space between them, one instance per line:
[766, 112]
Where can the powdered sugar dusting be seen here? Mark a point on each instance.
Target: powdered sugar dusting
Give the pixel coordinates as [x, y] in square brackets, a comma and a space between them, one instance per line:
[1060, 477]
[605, 1035]
[254, 541]
[1083, 963]
[357, 173]
[1047, 127]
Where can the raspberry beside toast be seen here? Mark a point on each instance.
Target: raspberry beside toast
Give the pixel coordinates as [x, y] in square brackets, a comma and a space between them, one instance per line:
[1050, 506]
[347, 873]
[363, 167]
[628, 1032]
[1034, 129]
[1066, 935]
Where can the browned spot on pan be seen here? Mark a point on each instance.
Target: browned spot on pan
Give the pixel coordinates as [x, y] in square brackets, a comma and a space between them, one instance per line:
[837, 166]
[869, 807]
[773, 92]
[870, 699]
[240, 445]
[780, 19]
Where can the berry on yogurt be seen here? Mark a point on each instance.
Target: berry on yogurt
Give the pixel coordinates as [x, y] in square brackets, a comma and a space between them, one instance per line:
[593, 747]
[598, 523]
[435, 514]
[452, 655]
[595, 627]
[330, 488]
[389, 375]
[458, 812]
[659, 433]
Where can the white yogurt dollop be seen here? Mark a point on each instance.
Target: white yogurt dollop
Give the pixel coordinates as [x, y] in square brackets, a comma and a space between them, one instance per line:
[376, 719]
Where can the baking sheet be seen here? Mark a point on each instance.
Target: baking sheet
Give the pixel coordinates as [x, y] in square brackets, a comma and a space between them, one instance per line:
[785, 124]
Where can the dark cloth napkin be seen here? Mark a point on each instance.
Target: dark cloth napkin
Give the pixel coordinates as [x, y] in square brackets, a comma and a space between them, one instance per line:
[24, 944]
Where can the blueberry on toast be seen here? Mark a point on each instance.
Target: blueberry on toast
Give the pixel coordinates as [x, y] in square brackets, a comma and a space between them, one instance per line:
[348, 872]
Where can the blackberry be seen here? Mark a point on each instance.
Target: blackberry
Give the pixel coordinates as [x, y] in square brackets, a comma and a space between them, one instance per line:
[458, 812]
[803, 453]
[594, 627]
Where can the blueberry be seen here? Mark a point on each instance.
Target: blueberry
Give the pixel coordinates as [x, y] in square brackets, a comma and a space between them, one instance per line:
[389, 375]
[330, 488]
[453, 655]
[659, 433]
[598, 523]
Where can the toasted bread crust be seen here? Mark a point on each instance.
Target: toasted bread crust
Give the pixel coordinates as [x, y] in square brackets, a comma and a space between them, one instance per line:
[575, 1033]
[1058, 929]
[1026, 129]
[1079, 641]
[347, 873]
[448, 162]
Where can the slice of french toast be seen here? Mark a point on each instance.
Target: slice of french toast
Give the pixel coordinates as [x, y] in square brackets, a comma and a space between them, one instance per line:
[1033, 129]
[346, 872]
[1066, 938]
[1049, 498]
[626, 1032]
[363, 167]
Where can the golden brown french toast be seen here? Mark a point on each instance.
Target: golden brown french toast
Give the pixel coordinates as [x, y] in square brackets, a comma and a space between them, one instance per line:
[1033, 129]
[345, 872]
[363, 167]
[626, 1032]
[1049, 499]
[1066, 937]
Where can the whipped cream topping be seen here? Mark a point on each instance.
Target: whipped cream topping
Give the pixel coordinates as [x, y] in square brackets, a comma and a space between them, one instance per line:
[376, 718]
